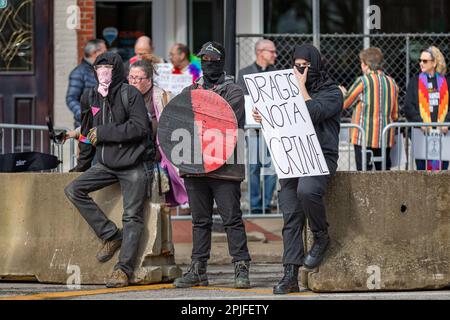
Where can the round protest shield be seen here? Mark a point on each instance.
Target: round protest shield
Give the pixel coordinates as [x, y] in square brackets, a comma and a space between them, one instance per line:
[197, 131]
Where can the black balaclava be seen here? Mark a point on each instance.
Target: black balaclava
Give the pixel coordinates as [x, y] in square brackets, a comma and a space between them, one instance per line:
[213, 71]
[317, 74]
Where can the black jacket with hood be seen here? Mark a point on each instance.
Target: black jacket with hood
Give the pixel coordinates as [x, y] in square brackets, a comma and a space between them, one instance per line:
[234, 168]
[122, 130]
[326, 102]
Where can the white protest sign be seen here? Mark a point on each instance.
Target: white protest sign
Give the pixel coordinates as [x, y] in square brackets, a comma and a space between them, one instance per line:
[163, 68]
[286, 124]
[432, 146]
[248, 112]
[173, 83]
[398, 152]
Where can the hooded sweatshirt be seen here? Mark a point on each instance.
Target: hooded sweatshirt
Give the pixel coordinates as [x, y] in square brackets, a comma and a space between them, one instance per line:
[326, 102]
[122, 130]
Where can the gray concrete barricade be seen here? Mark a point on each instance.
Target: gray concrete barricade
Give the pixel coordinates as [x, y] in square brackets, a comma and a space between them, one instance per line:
[389, 231]
[43, 236]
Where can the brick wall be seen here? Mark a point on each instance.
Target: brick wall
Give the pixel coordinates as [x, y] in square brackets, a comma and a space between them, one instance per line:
[65, 59]
[87, 24]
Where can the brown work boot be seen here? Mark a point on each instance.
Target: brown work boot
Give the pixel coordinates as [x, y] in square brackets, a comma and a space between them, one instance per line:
[108, 250]
[118, 279]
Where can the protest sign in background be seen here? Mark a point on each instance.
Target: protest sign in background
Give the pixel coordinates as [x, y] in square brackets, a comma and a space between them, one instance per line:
[174, 83]
[432, 146]
[286, 124]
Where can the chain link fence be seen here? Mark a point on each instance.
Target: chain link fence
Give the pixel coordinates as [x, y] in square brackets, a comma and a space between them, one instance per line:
[341, 53]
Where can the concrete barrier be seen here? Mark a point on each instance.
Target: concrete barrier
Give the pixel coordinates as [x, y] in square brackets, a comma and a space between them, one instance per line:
[389, 231]
[43, 237]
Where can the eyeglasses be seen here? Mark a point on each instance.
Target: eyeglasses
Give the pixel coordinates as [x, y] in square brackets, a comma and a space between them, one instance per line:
[271, 51]
[135, 79]
[425, 61]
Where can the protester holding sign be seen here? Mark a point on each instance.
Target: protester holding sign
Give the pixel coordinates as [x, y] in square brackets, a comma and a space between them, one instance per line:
[221, 185]
[183, 62]
[427, 98]
[301, 197]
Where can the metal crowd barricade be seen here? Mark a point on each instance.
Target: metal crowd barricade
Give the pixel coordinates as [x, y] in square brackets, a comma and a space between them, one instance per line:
[409, 147]
[262, 157]
[341, 52]
[17, 144]
[364, 151]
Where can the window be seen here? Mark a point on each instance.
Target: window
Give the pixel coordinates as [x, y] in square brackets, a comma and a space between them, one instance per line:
[287, 16]
[415, 16]
[121, 23]
[206, 22]
[16, 36]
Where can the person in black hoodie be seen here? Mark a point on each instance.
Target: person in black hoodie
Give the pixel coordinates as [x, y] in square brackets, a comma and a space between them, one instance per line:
[302, 198]
[116, 127]
[221, 185]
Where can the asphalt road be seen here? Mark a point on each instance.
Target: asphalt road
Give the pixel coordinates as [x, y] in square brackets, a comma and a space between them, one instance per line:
[263, 277]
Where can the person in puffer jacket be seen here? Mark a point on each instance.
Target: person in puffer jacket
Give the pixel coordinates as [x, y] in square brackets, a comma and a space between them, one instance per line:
[83, 78]
[117, 131]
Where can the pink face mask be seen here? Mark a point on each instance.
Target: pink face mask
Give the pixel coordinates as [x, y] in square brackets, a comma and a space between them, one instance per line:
[104, 75]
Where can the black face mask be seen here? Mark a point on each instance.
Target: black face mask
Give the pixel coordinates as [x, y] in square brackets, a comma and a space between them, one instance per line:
[212, 70]
[313, 75]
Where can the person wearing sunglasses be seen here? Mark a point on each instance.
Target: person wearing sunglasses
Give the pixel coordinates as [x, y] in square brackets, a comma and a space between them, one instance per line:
[427, 99]
[302, 198]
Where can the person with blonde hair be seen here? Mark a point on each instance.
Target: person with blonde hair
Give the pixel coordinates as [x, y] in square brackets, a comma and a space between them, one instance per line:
[427, 98]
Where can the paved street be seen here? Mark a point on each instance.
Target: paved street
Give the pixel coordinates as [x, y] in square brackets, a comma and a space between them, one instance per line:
[263, 277]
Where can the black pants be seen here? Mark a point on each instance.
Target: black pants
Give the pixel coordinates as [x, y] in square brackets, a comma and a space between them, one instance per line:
[133, 183]
[376, 153]
[302, 198]
[202, 192]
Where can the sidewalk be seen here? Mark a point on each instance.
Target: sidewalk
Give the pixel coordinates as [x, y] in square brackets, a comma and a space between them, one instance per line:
[264, 242]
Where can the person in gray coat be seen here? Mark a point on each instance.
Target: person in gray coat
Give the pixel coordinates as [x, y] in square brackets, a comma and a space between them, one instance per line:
[266, 54]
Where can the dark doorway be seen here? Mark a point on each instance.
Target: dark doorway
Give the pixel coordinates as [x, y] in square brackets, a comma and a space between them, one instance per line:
[121, 23]
[206, 22]
[26, 63]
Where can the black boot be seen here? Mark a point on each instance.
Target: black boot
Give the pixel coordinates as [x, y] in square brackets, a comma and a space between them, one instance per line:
[317, 252]
[289, 283]
[195, 276]
[241, 271]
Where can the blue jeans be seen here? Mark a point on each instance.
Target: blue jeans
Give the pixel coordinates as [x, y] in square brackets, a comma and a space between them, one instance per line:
[256, 197]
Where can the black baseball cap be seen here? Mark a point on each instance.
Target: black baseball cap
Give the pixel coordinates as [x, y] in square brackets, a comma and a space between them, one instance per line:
[213, 49]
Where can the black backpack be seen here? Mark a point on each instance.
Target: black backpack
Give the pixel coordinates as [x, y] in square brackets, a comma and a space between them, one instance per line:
[150, 151]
